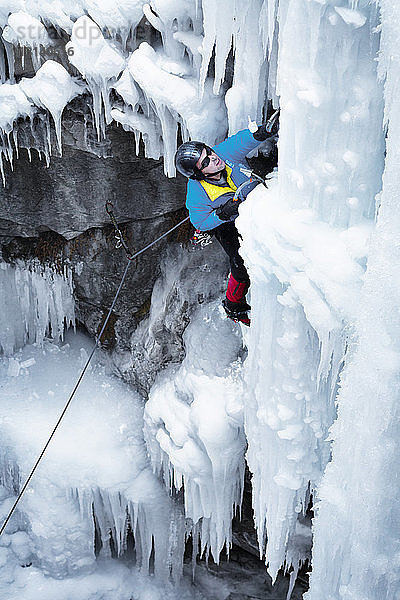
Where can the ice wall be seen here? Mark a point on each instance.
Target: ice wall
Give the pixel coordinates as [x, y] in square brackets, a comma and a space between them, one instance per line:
[201, 78]
[305, 244]
[356, 530]
[305, 241]
[36, 302]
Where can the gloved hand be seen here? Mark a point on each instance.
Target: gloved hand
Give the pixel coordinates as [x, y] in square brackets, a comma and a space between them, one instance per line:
[267, 129]
[228, 210]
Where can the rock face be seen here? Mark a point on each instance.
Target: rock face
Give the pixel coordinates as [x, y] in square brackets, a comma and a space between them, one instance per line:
[68, 197]
[57, 213]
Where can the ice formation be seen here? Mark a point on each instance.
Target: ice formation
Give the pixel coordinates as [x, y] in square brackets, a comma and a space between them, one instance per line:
[323, 345]
[52, 87]
[161, 87]
[194, 428]
[174, 96]
[94, 487]
[14, 104]
[187, 278]
[36, 301]
[360, 496]
[305, 242]
[24, 30]
[99, 63]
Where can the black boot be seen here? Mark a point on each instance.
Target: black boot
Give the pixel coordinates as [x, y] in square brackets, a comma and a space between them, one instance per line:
[237, 311]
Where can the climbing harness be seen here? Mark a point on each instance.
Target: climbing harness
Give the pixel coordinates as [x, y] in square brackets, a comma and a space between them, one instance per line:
[121, 242]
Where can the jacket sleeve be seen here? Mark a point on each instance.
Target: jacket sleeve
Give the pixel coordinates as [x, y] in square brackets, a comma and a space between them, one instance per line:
[201, 210]
[235, 147]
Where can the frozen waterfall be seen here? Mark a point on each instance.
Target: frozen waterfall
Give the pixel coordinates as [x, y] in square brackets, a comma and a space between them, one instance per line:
[359, 491]
[96, 482]
[305, 242]
[306, 397]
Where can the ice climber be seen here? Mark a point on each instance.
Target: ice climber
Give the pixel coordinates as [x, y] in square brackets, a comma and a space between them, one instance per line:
[214, 176]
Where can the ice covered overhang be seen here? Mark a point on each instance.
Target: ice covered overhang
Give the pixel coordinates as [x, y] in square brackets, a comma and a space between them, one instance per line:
[156, 68]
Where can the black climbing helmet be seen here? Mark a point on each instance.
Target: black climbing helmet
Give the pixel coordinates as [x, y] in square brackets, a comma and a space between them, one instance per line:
[186, 158]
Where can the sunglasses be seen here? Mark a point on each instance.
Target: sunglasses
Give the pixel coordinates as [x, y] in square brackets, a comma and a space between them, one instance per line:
[206, 160]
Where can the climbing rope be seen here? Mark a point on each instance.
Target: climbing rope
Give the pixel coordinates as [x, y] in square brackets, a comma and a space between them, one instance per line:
[130, 257]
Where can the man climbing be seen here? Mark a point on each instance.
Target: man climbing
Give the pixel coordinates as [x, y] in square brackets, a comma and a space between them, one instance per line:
[213, 198]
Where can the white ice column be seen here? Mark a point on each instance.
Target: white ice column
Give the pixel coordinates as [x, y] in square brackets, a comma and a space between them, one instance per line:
[356, 530]
[330, 166]
[331, 143]
[286, 419]
[247, 95]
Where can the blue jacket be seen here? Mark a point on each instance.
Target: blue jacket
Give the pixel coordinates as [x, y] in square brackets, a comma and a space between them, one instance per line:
[199, 204]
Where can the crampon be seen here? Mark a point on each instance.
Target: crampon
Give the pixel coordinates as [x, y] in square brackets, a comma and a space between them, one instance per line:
[238, 314]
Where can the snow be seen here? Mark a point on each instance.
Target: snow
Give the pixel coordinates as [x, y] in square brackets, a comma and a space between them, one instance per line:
[95, 474]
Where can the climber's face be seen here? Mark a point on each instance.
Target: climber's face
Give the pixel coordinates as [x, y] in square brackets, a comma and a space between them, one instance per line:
[210, 163]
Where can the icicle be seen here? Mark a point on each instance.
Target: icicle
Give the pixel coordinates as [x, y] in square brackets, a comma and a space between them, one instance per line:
[100, 64]
[168, 19]
[9, 149]
[2, 168]
[174, 99]
[52, 88]
[2, 63]
[246, 96]
[35, 299]
[15, 139]
[214, 12]
[10, 53]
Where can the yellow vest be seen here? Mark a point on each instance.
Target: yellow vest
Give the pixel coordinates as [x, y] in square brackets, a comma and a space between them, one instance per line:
[215, 191]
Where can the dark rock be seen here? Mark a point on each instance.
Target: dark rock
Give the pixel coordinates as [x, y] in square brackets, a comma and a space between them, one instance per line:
[69, 196]
[244, 577]
[57, 214]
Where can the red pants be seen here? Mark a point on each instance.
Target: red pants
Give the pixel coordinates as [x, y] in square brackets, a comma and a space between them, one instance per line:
[239, 281]
[236, 290]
